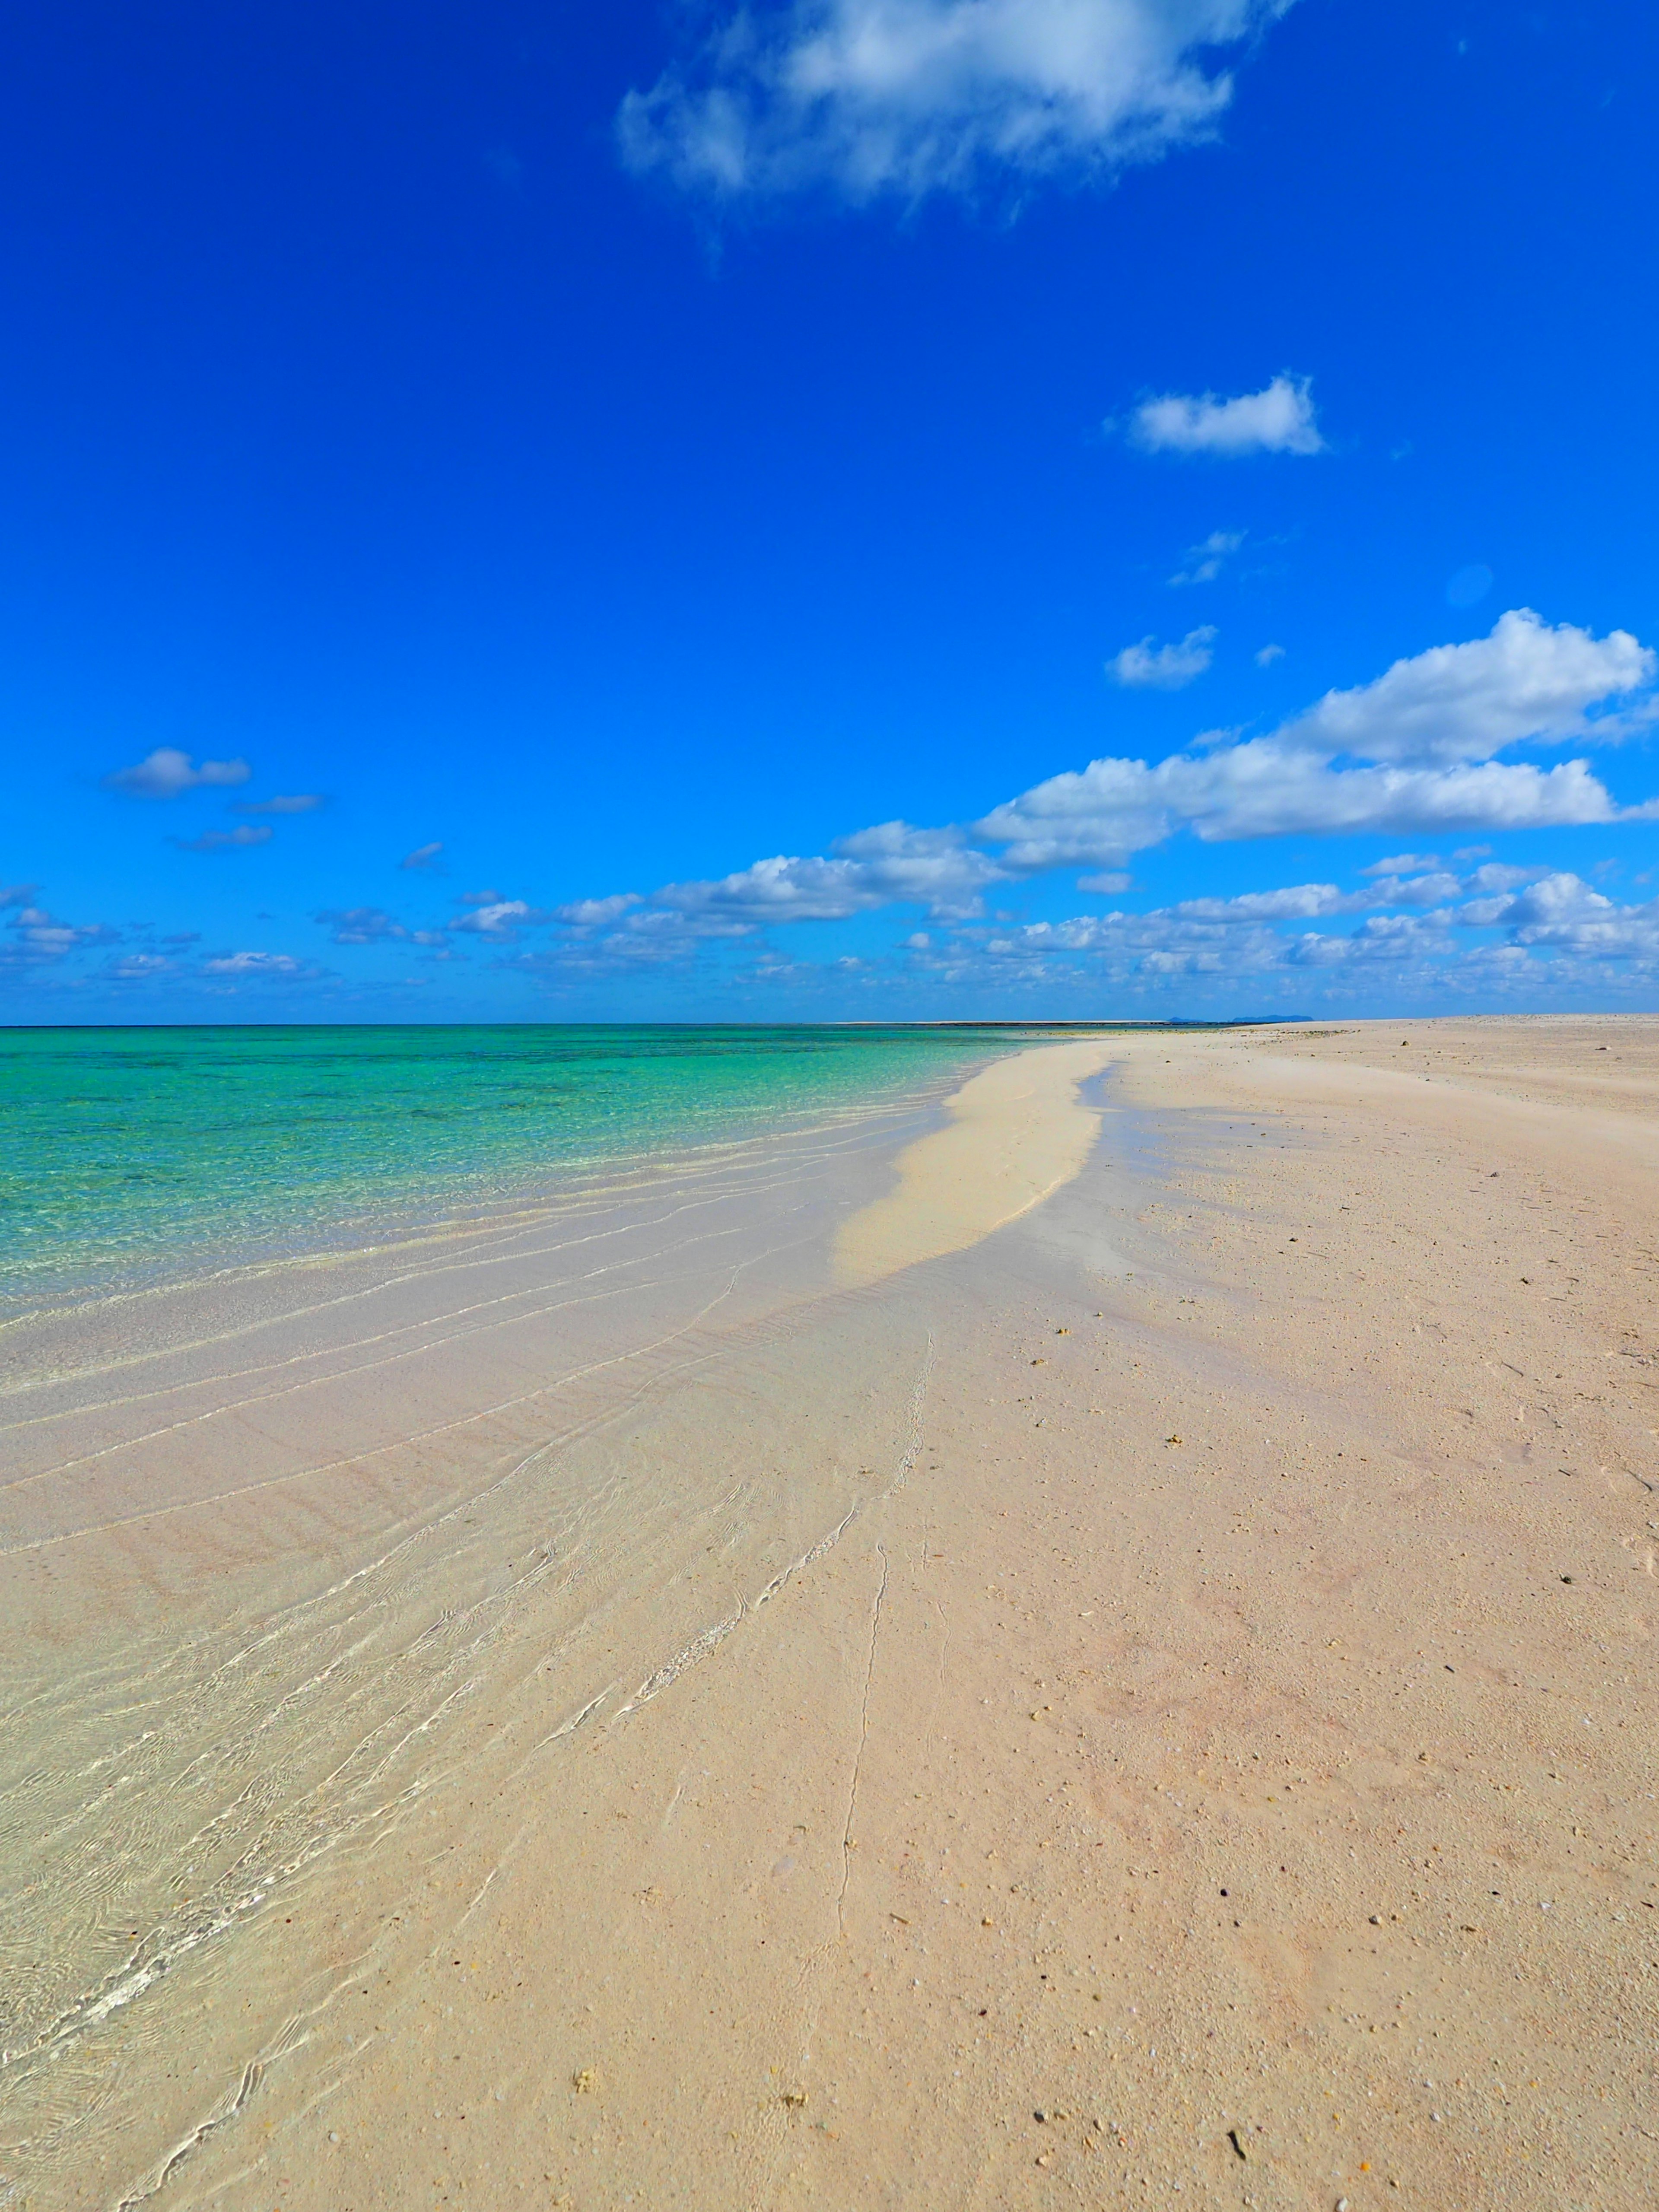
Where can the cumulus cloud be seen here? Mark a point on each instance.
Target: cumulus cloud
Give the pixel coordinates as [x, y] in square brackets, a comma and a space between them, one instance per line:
[1279, 419]
[294, 802]
[1115, 807]
[1406, 755]
[1163, 667]
[225, 841]
[424, 857]
[36, 937]
[167, 773]
[1203, 564]
[879, 866]
[868, 97]
[1458, 702]
[1560, 911]
[1554, 923]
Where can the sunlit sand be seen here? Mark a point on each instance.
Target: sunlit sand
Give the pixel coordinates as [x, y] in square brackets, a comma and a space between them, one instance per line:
[1098, 1643]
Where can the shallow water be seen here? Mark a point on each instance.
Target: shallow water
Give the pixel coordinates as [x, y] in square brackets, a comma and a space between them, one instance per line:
[129, 1155]
[324, 1538]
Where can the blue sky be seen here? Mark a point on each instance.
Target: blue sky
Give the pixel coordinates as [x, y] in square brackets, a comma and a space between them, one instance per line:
[865, 508]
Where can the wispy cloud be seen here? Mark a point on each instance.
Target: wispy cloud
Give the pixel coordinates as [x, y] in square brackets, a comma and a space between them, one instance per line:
[1279, 419]
[1163, 667]
[424, 857]
[263, 967]
[500, 919]
[1399, 864]
[138, 968]
[225, 841]
[867, 98]
[1204, 562]
[1268, 654]
[360, 925]
[596, 912]
[297, 802]
[167, 773]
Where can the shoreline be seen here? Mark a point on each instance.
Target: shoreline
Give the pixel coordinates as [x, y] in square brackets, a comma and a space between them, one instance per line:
[1117, 1661]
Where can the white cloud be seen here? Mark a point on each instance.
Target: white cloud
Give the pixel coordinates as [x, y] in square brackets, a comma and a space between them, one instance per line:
[423, 857]
[1496, 876]
[17, 894]
[866, 98]
[1204, 562]
[264, 967]
[500, 919]
[1458, 702]
[1280, 419]
[138, 968]
[1165, 667]
[596, 912]
[294, 802]
[166, 772]
[1401, 864]
[1268, 654]
[1561, 912]
[892, 862]
[1433, 890]
[225, 841]
[37, 937]
[1113, 808]
[1525, 680]
[1297, 902]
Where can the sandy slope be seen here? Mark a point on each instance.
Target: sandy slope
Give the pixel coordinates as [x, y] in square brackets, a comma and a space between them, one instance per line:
[1216, 1760]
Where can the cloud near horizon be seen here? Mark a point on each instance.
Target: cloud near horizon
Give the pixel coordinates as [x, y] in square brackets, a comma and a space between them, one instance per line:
[1407, 739]
[871, 98]
[1410, 754]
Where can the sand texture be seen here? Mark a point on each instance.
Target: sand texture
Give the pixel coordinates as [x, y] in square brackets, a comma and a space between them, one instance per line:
[1016, 1132]
[1146, 1694]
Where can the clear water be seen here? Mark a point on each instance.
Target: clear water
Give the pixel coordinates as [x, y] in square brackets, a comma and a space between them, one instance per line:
[128, 1155]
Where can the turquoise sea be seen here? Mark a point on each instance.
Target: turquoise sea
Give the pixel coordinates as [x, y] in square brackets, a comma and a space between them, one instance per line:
[128, 1155]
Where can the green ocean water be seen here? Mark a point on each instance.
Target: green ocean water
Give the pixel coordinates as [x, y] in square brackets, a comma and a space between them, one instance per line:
[128, 1155]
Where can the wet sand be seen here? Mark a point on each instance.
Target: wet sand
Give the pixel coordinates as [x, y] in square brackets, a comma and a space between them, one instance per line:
[1153, 1699]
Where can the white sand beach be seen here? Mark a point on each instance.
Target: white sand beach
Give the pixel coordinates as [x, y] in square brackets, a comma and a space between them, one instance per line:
[1098, 1651]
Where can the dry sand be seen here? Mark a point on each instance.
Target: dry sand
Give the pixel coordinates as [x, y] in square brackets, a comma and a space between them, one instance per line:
[1193, 1735]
